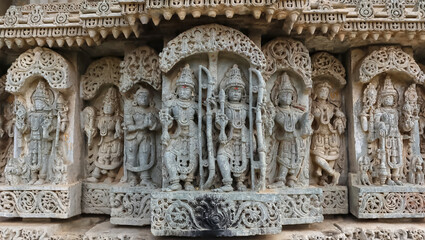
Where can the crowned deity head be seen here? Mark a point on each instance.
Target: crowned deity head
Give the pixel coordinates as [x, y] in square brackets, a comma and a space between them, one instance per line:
[322, 90]
[287, 92]
[234, 84]
[185, 83]
[388, 95]
[110, 101]
[142, 97]
[40, 97]
[410, 95]
[370, 95]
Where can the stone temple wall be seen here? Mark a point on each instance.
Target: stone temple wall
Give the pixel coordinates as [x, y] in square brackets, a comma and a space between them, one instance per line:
[212, 118]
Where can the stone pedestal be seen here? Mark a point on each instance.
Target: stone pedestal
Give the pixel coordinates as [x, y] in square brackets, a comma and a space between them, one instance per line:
[405, 201]
[335, 200]
[40, 201]
[216, 214]
[131, 205]
[96, 198]
[301, 205]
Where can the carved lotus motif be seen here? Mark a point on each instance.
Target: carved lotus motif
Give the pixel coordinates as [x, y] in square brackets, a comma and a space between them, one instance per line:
[213, 213]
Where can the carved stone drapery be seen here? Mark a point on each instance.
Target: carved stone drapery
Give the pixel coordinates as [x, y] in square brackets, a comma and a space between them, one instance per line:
[140, 65]
[288, 55]
[210, 38]
[390, 59]
[103, 71]
[38, 62]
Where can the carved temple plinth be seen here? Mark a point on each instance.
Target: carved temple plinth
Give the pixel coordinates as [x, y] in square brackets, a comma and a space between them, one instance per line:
[335, 200]
[95, 198]
[130, 205]
[40, 201]
[301, 205]
[405, 201]
[217, 214]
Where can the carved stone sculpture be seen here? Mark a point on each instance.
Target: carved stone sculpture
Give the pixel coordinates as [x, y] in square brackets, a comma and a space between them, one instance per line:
[107, 124]
[233, 151]
[329, 124]
[181, 146]
[140, 123]
[292, 126]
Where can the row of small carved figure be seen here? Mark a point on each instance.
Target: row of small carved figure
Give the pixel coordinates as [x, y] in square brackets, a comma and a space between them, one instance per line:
[271, 142]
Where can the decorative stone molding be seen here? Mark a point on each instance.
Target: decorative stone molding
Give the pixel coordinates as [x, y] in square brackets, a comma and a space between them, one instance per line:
[210, 38]
[366, 234]
[390, 59]
[41, 201]
[38, 62]
[301, 205]
[140, 65]
[95, 198]
[288, 55]
[335, 200]
[103, 71]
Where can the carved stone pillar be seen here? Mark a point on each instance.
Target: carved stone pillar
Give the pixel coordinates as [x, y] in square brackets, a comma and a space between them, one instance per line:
[42, 174]
[386, 163]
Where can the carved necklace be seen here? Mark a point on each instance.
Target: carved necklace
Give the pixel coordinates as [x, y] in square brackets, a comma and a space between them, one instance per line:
[288, 120]
[237, 110]
[326, 113]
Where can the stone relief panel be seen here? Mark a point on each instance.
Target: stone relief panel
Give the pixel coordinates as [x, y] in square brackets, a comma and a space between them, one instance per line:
[6, 128]
[387, 126]
[44, 156]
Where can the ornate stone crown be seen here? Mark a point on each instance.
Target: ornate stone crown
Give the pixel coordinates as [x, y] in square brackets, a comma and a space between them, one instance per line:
[233, 78]
[41, 92]
[111, 97]
[286, 85]
[323, 85]
[186, 77]
[410, 95]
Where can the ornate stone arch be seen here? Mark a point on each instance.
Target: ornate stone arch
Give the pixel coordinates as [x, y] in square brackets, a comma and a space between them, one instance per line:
[389, 59]
[140, 65]
[103, 71]
[39, 62]
[325, 65]
[211, 38]
[288, 55]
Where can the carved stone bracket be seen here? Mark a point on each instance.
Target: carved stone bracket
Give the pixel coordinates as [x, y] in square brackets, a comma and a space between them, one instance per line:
[42, 201]
[103, 71]
[140, 65]
[211, 38]
[41, 62]
[288, 55]
[130, 206]
[390, 59]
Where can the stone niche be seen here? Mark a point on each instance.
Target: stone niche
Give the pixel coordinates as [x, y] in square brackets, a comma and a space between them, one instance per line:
[42, 170]
[386, 124]
[217, 125]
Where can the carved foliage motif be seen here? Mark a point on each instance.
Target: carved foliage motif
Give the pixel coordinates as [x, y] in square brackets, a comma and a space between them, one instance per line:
[95, 199]
[287, 54]
[326, 65]
[140, 65]
[210, 38]
[392, 203]
[390, 58]
[368, 234]
[38, 62]
[335, 201]
[297, 206]
[103, 71]
[131, 207]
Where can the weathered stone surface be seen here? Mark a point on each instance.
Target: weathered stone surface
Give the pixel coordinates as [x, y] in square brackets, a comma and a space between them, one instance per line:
[215, 214]
[40, 201]
[131, 205]
[335, 200]
[95, 198]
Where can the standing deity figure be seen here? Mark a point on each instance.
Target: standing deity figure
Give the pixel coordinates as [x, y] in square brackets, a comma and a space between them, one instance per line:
[110, 144]
[181, 148]
[233, 151]
[40, 124]
[329, 124]
[292, 127]
[140, 123]
[390, 144]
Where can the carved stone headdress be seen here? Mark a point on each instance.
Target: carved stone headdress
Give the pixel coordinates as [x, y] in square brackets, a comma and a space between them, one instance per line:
[370, 90]
[41, 92]
[186, 77]
[111, 97]
[283, 85]
[388, 90]
[286, 85]
[410, 95]
[233, 78]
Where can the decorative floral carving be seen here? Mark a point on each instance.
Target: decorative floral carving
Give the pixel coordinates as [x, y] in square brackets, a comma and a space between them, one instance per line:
[38, 62]
[365, 9]
[395, 9]
[335, 200]
[130, 206]
[327, 66]
[210, 38]
[288, 55]
[140, 65]
[95, 199]
[388, 203]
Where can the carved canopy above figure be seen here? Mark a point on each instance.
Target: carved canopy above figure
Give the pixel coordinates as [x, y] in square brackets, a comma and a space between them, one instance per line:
[39, 62]
[287, 54]
[211, 38]
[103, 71]
[390, 59]
[327, 66]
[140, 65]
